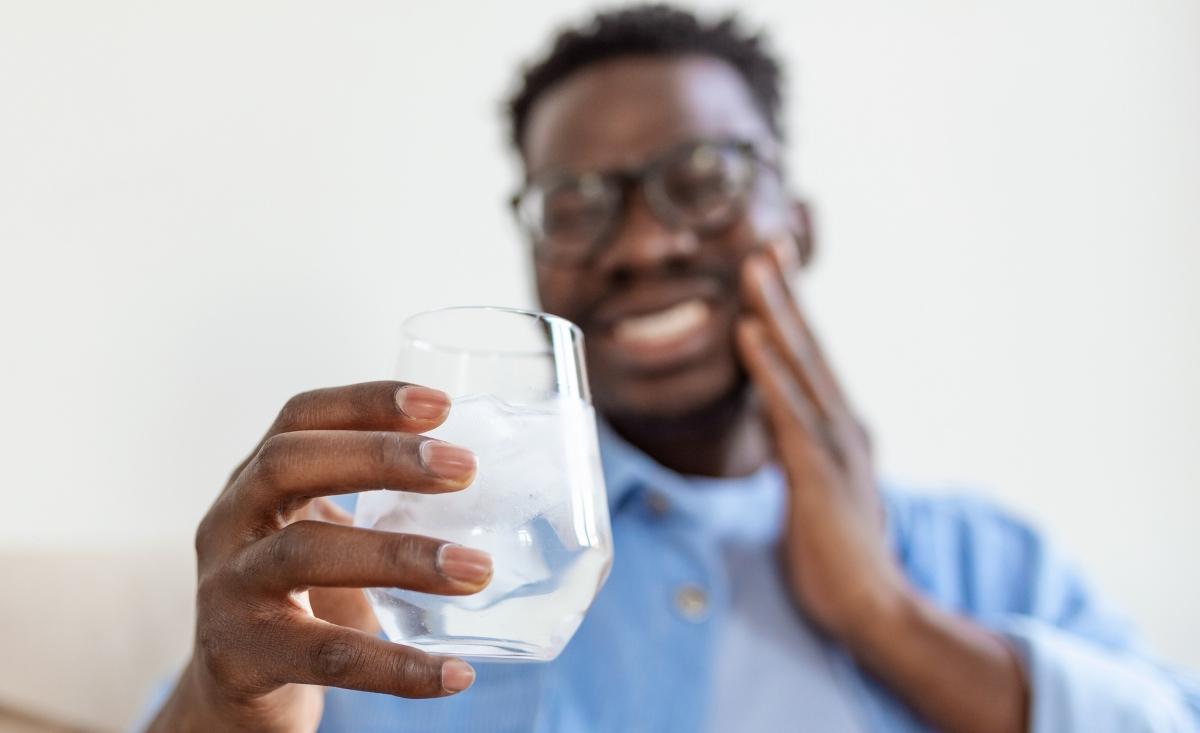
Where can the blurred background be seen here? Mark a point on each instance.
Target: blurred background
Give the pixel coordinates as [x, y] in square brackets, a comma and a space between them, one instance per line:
[207, 207]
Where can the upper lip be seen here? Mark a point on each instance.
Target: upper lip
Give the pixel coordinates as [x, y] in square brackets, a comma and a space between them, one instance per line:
[651, 298]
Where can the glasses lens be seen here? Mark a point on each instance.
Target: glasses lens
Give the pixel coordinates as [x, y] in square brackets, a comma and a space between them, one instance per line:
[705, 182]
[567, 217]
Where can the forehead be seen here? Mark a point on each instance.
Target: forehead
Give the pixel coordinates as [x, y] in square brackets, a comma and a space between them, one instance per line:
[618, 112]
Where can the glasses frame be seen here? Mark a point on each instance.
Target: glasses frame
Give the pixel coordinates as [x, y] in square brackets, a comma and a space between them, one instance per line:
[620, 183]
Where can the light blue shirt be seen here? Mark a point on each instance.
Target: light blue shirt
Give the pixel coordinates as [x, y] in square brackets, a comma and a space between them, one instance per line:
[766, 652]
[659, 651]
[648, 655]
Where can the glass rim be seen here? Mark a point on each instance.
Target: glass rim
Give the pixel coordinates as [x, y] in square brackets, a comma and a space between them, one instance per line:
[424, 343]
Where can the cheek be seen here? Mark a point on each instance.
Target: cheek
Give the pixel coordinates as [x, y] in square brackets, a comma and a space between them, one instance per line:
[767, 216]
[758, 225]
[558, 291]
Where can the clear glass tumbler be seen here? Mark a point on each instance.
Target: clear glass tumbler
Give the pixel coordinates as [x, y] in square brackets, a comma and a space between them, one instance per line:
[520, 401]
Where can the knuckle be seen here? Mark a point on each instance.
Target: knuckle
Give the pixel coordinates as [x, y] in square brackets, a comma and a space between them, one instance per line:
[227, 653]
[406, 551]
[217, 652]
[210, 649]
[334, 658]
[297, 410]
[269, 462]
[285, 549]
[208, 590]
[213, 539]
[204, 533]
[417, 675]
[388, 449]
[241, 574]
[363, 399]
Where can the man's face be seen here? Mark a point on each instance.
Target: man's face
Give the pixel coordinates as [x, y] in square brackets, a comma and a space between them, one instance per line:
[657, 303]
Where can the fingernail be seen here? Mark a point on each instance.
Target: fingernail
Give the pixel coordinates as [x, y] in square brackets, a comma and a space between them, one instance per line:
[464, 564]
[447, 460]
[422, 403]
[457, 675]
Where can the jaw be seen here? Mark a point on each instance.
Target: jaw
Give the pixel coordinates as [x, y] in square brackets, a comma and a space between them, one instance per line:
[668, 395]
[664, 362]
[723, 436]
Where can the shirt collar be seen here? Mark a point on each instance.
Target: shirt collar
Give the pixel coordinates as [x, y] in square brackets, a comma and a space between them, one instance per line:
[627, 470]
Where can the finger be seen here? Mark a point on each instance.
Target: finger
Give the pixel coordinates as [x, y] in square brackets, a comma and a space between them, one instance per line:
[319, 653]
[785, 253]
[824, 373]
[292, 468]
[307, 554]
[788, 409]
[342, 606]
[386, 405]
[769, 299]
[791, 416]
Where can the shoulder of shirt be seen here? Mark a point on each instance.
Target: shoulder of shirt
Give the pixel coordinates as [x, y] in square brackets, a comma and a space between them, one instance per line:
[970, 553]
[977, 557]
[968, 511]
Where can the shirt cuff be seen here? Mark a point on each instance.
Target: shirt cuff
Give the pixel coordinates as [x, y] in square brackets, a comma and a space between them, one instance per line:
[1077, 686]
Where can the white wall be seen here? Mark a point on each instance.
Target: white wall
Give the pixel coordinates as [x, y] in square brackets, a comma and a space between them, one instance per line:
[206, 207]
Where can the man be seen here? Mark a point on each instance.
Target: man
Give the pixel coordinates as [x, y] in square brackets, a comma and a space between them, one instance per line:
[762, 580]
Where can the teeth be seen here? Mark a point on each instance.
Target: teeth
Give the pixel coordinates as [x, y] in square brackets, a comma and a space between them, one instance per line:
[665, 324]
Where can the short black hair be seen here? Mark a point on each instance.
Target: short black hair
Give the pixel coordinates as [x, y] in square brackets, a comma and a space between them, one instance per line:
[655, 29]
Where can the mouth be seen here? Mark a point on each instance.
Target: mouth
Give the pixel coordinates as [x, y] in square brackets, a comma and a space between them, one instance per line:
[664, 339]
[662, 327]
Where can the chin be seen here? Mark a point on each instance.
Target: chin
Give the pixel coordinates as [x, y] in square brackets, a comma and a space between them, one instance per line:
[667, 397]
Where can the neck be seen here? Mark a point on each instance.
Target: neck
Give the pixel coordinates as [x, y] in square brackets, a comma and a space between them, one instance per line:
[725, 439]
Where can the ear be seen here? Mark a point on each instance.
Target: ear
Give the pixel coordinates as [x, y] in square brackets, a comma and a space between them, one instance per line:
[802, 231]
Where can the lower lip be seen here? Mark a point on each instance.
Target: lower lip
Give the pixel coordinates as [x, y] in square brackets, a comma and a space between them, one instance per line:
[666, 354]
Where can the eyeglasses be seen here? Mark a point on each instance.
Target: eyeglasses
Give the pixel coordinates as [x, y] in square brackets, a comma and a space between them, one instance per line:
[699, 185]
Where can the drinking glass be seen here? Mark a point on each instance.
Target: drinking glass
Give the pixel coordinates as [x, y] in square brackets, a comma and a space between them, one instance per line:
[520, 401]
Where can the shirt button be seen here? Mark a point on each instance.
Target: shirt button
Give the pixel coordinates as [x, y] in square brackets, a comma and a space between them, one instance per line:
[692, 602]
[659, 505]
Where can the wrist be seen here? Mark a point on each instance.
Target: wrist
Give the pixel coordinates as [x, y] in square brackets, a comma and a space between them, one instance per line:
[885, 620]
[196, 705]
[184, 708]
[958, 674]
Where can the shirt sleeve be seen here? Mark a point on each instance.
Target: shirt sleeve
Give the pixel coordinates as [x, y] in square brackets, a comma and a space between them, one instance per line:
[1079, 686]
[1088, 670]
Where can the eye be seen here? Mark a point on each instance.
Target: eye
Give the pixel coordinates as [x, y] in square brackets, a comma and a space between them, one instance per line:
[706, 180]
[576, 209]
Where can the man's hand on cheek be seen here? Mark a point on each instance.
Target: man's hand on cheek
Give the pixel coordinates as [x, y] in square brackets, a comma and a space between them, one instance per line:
[835, 552]
[955, 673]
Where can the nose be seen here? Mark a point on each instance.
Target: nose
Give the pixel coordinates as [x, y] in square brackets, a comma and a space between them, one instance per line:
[643, 243]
